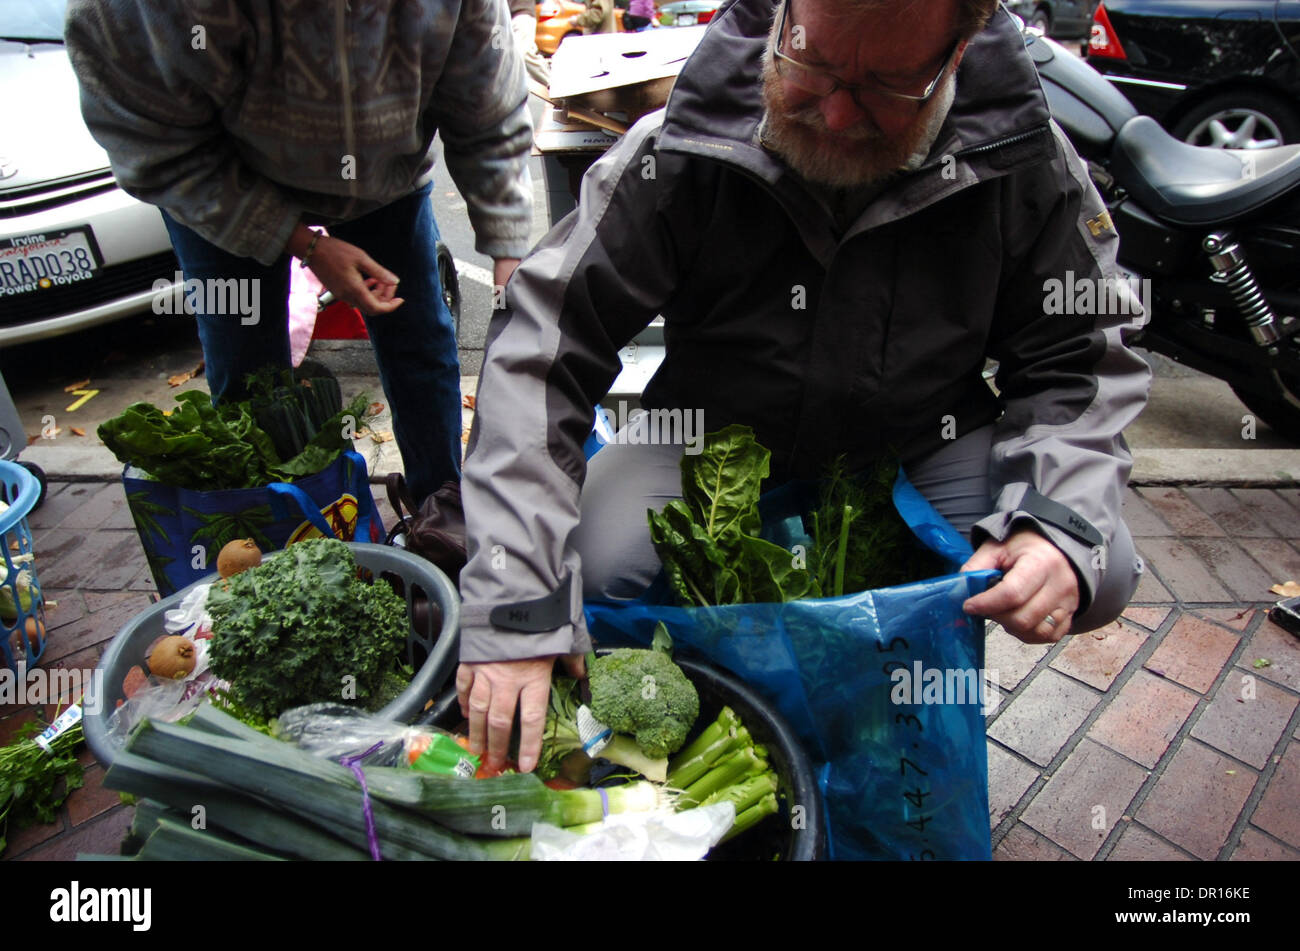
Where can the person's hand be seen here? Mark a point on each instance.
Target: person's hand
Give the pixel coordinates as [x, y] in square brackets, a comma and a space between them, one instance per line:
[354, 276]
[488, 695]
[502, 268]
[1037, 584]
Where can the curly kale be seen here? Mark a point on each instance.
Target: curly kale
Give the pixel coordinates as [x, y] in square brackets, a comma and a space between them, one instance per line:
[302, 627]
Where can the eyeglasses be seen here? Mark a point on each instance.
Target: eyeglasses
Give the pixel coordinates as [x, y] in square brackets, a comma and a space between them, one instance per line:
[821, 83]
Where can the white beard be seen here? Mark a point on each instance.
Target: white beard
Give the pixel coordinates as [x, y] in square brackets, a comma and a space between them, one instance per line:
[855, 157]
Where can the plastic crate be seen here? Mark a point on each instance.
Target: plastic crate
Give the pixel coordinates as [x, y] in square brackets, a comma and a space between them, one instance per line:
[20, 490]
[432, 653]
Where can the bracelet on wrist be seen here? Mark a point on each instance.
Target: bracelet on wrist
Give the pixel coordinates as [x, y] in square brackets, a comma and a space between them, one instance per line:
[306, 255]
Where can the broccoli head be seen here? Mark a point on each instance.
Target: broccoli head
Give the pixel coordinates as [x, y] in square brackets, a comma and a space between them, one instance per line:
[643, 694]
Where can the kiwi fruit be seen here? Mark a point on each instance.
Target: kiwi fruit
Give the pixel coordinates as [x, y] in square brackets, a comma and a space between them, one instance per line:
[238, 555]
[172, 658]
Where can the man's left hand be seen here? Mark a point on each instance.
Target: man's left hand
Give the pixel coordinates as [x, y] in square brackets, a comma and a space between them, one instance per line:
[1038, 594]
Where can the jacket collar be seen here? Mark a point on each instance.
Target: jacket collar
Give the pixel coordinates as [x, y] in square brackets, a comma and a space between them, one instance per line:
[716, 105]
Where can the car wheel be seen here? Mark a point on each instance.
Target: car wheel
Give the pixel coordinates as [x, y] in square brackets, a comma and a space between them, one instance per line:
[450, 283]
[1041, 19]
[1240, 120]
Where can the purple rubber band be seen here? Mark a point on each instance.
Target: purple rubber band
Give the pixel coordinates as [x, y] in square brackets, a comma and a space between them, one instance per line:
[604, 803]
[351, 763]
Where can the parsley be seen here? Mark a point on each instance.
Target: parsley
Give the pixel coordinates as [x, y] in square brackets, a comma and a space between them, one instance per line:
[30, 791]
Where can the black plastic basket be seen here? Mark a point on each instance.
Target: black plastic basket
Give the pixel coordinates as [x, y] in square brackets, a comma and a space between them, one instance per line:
[796, 833]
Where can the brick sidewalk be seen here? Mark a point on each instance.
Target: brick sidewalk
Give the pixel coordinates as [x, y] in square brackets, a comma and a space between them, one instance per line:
[1163, 736]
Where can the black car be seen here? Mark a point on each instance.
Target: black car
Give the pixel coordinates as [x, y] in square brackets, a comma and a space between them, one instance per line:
[1224, 73]
[1061, 19]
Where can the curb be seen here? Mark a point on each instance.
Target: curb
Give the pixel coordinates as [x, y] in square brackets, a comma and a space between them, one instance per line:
[1262, 468]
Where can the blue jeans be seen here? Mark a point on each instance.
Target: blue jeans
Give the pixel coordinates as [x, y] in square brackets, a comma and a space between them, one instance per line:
[415, 345]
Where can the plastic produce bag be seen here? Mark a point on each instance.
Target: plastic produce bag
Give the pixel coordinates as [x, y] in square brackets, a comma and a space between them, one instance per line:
[885, 688]
[638, 837]
[339, 732]
[170, 700]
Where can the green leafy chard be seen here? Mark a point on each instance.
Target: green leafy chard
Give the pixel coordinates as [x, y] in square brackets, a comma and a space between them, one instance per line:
[708, 540]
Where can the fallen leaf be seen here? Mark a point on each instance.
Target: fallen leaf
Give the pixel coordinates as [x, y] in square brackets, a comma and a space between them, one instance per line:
[1239, 700]
[1288, 589]
[1098, 637]
[382, 437]
[374, 409]
[468, 402]
[361, 433]
[178, 378]
[1231, 772]
[464, 436]
[1262, 663]
[77, 386]
[77, 431]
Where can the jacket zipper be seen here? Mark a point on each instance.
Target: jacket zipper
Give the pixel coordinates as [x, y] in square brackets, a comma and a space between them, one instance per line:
[1009, 140]
[345, 77]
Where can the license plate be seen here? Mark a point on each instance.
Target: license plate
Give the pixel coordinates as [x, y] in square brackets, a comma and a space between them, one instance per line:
[686, 19]
[36, 262]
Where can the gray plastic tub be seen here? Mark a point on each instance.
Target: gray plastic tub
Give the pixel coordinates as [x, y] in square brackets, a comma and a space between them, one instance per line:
[431, 644]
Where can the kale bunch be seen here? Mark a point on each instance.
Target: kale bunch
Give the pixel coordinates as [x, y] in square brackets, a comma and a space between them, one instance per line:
[302, 627]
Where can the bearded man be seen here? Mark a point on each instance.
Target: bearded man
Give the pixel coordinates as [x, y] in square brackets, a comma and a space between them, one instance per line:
[845, 208]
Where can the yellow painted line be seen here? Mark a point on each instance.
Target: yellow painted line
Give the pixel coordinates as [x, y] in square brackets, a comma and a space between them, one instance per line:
[85, 395]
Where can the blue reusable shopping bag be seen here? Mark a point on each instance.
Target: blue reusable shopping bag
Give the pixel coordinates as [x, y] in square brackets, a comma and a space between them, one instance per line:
[884, 688]
[182, 530]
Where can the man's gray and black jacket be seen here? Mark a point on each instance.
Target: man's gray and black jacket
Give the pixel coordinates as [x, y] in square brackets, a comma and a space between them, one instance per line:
[860, 343]
[242, 117]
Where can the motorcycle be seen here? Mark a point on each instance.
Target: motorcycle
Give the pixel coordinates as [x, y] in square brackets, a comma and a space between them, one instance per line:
[1216, 233]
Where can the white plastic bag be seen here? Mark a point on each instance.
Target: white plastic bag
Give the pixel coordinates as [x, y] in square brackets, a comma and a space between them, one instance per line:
[638, 837]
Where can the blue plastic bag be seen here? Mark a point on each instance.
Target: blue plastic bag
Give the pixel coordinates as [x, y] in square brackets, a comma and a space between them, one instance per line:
[182, 530]
[885, 688]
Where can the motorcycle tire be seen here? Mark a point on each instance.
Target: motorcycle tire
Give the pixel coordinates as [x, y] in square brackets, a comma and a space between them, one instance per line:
[1281, 411]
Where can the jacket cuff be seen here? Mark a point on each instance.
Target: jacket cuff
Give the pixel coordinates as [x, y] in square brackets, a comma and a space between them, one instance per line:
[1080, 542]
[502, 248]
[274, 235]
[481, 641]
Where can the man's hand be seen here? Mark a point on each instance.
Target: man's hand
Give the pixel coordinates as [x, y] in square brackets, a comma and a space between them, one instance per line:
[348, 271]
[1038, 584]
[489, 694]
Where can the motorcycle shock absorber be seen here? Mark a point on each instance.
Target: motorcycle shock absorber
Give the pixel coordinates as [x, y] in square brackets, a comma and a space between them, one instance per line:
[1233, 271]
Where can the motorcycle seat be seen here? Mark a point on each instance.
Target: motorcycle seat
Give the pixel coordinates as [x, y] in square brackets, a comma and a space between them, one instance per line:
[1193, 185]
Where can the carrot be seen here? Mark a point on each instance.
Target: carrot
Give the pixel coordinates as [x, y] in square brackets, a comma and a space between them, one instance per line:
[483, 771]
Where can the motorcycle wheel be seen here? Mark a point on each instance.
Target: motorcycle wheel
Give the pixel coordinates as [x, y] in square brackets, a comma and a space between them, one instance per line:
[1281, 411]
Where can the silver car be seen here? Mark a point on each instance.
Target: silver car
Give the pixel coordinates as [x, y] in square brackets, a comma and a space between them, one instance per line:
[75, 250]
